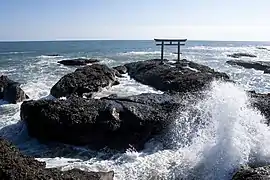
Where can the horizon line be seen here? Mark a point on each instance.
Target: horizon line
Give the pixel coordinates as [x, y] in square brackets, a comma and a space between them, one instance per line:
[63, 40]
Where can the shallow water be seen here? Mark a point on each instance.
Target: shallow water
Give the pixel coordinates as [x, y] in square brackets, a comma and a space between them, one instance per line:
[222, 134]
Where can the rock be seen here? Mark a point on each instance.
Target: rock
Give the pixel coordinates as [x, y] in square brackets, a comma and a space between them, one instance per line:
[53, 55]
[261, 102]
[248, 173]
[263, 48]
[238, 55]
[117, 123]
[77, 62]
[14, 165]
[258, 65]
[121, 69]
[183, 76]
[84, 80]
[10, 91]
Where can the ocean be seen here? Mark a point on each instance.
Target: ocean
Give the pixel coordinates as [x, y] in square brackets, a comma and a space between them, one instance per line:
[234, 135]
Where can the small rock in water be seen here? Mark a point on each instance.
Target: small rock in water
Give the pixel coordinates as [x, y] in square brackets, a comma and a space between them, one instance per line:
[263, 48]
[77, 62]
[53, 55]
[258, 65]
[238, 55]
[10, 91]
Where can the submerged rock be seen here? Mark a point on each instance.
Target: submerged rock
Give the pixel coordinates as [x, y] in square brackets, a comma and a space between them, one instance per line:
[77, 62]
[14, 165]
[258, 65]
[183, 76]
[238, 55]
[84, 80]
[10, 91]
[248, 173]
[117, 123]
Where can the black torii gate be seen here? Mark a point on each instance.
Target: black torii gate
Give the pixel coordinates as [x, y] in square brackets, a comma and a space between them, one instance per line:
[170, 42]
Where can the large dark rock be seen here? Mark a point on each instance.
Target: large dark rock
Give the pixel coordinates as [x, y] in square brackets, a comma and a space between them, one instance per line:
[10, 91]
[238, 55]
[84, 80]
[77, 62]
[14, 165]
[248, 173]
[114, 122]
[258, 65]
[184, 76]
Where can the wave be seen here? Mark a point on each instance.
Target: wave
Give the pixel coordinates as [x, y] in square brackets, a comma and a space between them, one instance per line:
[139, 53]
[225, 48]
[49, 57]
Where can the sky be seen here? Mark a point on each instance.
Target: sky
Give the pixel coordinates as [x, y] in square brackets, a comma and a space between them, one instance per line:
[246, 20]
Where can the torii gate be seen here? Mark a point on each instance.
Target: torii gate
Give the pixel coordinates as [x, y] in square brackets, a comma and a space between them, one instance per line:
[170, 42]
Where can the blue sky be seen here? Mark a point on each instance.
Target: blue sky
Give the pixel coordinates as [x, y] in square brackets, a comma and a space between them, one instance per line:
[134, 19]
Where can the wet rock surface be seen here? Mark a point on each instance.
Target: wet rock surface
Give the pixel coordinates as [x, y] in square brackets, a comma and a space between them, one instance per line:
[239, 55]
[121, 69]
[10, 91]
[248, 173]
[183, 76]
[78, 62]
[261, 102]
[117, 123]
[84, 80]
[14, 165]
[258, 65]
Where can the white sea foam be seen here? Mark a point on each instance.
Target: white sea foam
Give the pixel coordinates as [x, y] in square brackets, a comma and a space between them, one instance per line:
[49, 57]
[209, 140]
[139, 53]
[127, 87]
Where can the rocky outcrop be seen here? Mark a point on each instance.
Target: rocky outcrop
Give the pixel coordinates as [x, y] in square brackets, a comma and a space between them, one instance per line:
[238, 55]
[248, 173]
[183, 76]
[10, 91]
[258, 65]
[14, 165]
[117, 123]
[77, 62]
[84, 81]
[121, 69]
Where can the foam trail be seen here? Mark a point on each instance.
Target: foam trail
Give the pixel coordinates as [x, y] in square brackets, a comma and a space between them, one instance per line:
[209, 140]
